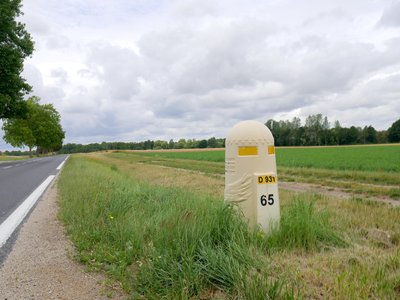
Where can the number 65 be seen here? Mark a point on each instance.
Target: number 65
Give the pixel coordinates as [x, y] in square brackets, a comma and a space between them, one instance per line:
[264, 200]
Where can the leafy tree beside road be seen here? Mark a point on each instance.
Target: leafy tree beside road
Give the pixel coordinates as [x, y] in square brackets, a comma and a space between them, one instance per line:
[40, 128]
[15, 45]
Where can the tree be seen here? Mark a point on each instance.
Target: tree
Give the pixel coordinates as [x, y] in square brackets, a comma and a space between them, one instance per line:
[314, 129]
[18, 133]
[212, 142]
[171, 144]
[382, 137]
[180, 144]
[15, 45]
[394, 132]
[352, 135]
[41, 128]
[158, 145]
[46, 128]
[336, 133]
[203, 144]
[369, 135]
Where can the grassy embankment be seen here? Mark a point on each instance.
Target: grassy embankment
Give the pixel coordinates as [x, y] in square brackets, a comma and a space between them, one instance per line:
[165, 232]
[367, 170]
[11, 158]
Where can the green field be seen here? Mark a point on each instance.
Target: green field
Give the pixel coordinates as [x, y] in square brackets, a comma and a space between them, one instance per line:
[161, 231]
[372, 171]
[356, 158]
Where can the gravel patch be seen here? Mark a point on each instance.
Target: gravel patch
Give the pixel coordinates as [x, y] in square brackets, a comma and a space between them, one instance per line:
[40, 265]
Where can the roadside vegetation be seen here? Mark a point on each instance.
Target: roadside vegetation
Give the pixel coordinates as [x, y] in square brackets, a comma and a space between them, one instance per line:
[10, 158]
[162, 242]
[164, 232]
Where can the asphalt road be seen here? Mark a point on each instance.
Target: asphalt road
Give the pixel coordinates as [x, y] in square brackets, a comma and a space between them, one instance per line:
[19, 179]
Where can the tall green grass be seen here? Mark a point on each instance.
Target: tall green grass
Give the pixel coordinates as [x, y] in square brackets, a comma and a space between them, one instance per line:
[162, 242]
[303, 227]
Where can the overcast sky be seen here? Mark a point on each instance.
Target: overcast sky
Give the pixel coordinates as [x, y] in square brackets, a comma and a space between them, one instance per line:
[131, 70]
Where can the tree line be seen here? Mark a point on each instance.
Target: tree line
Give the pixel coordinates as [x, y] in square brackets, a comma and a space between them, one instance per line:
[318, 131]
[145, 145]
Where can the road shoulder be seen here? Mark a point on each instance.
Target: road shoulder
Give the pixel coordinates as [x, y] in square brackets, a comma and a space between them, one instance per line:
[40, 267]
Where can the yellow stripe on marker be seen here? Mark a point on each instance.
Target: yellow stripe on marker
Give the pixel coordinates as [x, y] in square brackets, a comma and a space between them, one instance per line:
[271, 150]
[248, 150]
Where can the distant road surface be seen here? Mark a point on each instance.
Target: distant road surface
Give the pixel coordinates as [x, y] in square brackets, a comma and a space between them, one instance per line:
[18, 179]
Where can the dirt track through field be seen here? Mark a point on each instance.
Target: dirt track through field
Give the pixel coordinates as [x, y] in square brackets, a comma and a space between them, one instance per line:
[332, 192]
[313, 188]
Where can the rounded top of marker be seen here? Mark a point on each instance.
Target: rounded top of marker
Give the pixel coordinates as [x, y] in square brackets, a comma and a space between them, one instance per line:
[250, 132]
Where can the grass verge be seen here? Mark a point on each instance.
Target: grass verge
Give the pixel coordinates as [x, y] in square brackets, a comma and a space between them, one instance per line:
[138, 245]
[302, 227]
[162, 242]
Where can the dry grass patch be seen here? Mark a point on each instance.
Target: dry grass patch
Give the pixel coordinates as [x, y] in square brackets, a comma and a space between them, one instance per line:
[136, 167]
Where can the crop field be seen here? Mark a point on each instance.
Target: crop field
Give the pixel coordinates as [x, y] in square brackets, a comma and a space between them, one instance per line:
[157, 225]
[356, 158]
[367, 170]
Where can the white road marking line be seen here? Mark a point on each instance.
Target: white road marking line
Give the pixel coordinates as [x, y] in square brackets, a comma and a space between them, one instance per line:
[12, 222]
[7, 167]
[61, 165]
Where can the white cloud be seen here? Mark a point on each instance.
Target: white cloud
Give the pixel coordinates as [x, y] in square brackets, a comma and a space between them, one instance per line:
[391, 15]
[134, 70]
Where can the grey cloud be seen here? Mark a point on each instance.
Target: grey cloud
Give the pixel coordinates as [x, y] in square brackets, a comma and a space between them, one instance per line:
[110, 123]
[33, 75]
[52, 94]
[60, 74]
[193, 8]
[391, 15]
[36, 25]
[46, 93]
[376, 90]
[85, 73]
[371, 102]
[214, 57]
[230, 59]
[118, 68]
[336, 66]
[335, 15]
[315, 65]
[239, 72]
